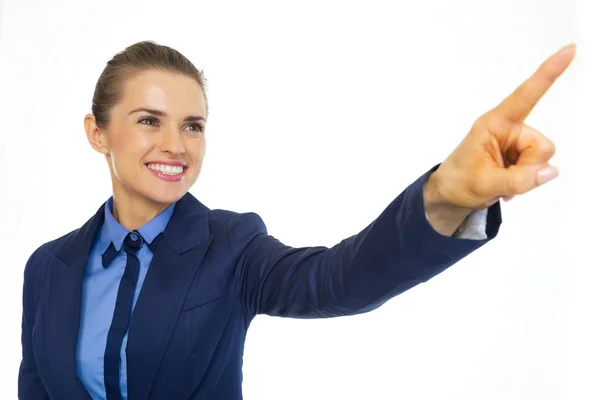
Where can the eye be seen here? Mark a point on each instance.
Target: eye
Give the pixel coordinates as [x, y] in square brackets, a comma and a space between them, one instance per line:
[152, 121]
[195, 127]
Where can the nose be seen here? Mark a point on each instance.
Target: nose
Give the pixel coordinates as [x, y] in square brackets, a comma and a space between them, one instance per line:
[172, 142]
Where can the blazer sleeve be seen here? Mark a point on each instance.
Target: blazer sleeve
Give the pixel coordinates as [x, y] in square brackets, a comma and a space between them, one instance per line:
[396, 252]
[30, 386]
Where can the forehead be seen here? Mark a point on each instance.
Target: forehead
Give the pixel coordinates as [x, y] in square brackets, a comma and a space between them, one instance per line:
[175, 94]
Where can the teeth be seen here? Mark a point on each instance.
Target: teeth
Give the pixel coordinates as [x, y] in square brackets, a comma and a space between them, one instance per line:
[166, 169]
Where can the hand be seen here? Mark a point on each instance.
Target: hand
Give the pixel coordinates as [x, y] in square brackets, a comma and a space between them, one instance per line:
[501, 157]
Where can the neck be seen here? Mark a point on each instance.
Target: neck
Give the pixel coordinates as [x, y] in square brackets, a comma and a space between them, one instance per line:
[133, 211]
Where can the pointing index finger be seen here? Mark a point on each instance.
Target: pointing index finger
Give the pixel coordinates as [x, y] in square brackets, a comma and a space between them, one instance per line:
[517, 106]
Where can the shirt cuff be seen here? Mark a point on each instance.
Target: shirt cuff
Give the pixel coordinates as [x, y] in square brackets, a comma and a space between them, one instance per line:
[473, 227]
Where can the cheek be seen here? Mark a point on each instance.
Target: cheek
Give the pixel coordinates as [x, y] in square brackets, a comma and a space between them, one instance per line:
[129, 147]
[197, 149]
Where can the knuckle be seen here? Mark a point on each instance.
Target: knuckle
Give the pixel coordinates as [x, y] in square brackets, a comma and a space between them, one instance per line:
[517, 183]
[549, 147]
[479, 124]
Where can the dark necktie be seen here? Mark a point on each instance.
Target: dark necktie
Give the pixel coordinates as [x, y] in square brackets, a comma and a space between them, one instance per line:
[123, 306]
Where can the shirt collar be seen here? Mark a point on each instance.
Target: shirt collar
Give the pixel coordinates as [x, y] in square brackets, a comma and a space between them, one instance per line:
[113, 231]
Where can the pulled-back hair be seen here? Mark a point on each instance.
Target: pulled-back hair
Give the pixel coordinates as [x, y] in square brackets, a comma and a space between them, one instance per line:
[141, 56]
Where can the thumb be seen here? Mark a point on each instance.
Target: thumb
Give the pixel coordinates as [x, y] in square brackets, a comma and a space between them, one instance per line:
[519, 179]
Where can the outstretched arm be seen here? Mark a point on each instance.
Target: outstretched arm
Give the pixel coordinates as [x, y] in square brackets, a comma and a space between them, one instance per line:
[396, 252]
[411, 241]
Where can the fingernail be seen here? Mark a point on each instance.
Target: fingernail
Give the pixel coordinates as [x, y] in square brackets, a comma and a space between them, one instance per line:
[567, 52]
[547, 174]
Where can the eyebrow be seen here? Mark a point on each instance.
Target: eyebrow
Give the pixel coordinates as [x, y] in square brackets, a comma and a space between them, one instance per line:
[158, 113]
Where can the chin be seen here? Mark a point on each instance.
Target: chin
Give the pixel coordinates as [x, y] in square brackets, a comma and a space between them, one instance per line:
[162, 191]
[167, 189]
[167, 197]
[155, 190]
[162, 194]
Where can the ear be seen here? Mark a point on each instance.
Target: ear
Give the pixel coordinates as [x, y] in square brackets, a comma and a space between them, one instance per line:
[95, 135]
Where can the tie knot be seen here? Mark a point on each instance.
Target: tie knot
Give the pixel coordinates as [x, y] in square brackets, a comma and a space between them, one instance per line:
[133, 242]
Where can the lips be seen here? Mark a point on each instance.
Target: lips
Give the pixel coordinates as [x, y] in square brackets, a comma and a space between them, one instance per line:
[167, 171]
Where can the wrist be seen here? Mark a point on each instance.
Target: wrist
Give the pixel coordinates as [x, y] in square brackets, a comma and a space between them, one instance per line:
[437, 197]
[443, 215]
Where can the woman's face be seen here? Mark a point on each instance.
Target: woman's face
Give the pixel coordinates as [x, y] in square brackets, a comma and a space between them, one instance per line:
[154, 141]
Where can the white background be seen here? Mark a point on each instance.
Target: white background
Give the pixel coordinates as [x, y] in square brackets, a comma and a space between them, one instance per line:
[321, 113]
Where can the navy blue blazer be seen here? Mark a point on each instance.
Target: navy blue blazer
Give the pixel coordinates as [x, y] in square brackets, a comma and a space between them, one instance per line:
[212, 272]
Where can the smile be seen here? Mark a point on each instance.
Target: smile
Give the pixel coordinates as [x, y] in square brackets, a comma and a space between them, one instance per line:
[169, 173]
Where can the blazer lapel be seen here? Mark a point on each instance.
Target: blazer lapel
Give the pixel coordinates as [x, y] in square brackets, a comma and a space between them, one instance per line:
[178, 253]
[63, 306]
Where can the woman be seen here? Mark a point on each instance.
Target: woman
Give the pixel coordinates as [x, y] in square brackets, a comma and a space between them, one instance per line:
[152, 297]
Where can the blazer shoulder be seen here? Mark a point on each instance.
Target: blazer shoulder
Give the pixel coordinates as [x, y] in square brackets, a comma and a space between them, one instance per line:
[239, 226]
[40, 258]
[234, 219]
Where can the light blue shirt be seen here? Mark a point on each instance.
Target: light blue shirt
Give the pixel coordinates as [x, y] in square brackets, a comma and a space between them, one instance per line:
[100, 287]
